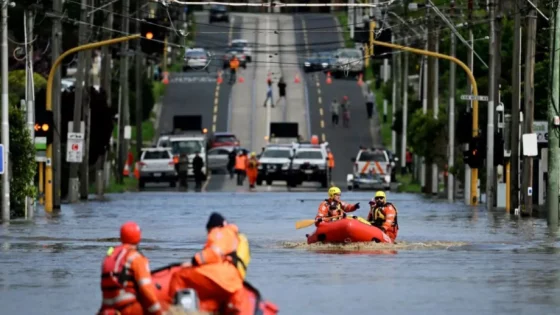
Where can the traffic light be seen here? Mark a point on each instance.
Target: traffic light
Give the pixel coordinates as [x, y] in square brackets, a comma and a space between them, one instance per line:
[474, 157]
[44, 125]
[153, 36]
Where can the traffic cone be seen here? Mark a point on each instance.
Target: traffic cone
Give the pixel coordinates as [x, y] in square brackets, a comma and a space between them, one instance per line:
[137, 170]
[360, 80]
[296, 80]
[126, 170]
[165, 79]
[219, 80]
[241, 80]
[329, 80]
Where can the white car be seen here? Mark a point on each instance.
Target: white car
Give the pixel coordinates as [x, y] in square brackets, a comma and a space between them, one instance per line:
[190, 144]
[156, 165]
[196, 59]
[243, 43]
[372, 169]
[309, 164]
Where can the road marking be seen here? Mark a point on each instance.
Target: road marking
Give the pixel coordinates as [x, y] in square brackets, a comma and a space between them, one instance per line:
[215, 109]
[321, 111]
[214, 119]
[317, 82]
[323, 138]
[319, 91]
[319, 100]
[322, 123]
[230, 35]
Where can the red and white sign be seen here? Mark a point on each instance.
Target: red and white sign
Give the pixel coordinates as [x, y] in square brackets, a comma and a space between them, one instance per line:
[74, 145]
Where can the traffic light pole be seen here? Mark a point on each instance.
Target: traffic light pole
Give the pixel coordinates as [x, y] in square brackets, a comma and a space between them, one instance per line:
[474, 171]
[49, 92]
[5, 120]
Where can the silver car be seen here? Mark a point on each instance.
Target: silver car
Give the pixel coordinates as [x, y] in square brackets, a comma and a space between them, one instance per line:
[348, 61]
[218, 158]
[157, 166]
[196, 59]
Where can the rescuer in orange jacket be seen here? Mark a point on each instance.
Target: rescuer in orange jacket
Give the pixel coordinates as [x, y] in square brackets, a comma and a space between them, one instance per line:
[211, 273]
[241, 167]
[252, 169]
[383, 215]
[332, 208]
[126, 281]
[330, 157]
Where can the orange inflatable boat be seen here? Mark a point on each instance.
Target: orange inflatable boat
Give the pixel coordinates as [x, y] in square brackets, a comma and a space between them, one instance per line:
[347, 231]
[255, 304]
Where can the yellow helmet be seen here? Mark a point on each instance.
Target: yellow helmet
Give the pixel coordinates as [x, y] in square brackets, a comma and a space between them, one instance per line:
[333, 191]
[380, 193]
[253, 154]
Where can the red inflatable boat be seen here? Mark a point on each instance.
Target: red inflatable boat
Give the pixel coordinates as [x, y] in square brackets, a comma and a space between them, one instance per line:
[256, 305]
[347, 231]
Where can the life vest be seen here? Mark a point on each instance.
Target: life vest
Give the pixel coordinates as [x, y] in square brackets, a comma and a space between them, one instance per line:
[253, 163]
[334, 212]
[240, 162]
[241, 257]
[117, 283]
[379, 216]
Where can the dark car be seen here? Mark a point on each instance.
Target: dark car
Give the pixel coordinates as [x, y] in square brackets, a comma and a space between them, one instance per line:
[318, 61]
[237, 51]
[218, 13]
[220, 139]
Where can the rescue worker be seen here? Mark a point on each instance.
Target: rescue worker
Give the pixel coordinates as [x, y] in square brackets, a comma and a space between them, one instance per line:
[383, 215]
[333, 208]
[330, 157]
[240, 167]
[211, 272]
[197, 165]
[233, 66]
[126, 281]
[182, 168]
[252, 169]
[231, 162]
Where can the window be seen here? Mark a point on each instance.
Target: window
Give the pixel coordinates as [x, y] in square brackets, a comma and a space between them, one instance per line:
[225, 139]
[315, 155]
[276, 154]
[156, 155]
[196, 54]
[239, 44]
[372, 157]
[218, 152]
[186, 146]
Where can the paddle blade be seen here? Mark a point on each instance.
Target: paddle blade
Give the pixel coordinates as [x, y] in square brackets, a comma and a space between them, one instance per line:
[304, 223]
[364, 221]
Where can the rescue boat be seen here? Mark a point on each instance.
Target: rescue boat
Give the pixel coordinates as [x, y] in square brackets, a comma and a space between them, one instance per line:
[255, 303]
[347, 231]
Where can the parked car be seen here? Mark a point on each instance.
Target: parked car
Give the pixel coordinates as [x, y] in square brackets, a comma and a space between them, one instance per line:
[157, 165]
[372, 169]
[319, 61]
[237, 51]
[218, 158]
[348, 61]
[196, 58]
[243, 44]
[218, 13]
[309, 164]
[220, 139]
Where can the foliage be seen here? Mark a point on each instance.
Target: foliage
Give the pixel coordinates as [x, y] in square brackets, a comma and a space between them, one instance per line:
[16, 85]
[427, 136]
[148, 101]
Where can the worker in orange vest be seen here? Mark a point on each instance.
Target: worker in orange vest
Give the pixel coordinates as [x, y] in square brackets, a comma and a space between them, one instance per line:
[330, 156]
[241, 167]
[252, 169]
[126, 282]
[314, 139]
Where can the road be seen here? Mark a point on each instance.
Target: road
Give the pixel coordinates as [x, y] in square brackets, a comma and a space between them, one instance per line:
[321, 33]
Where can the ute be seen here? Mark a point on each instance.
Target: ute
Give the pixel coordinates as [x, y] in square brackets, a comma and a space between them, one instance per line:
[309, 164]
[372, 169]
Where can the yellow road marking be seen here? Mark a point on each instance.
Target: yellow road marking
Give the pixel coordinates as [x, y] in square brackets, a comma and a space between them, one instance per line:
[319, 100]
[323, 138]
[321, 111]
[322, 124]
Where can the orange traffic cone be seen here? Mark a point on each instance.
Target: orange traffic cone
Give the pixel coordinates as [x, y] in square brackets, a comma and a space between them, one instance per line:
[296, 80]
[360, 80]
[126, 170]
[241, 80]
[165, 79]
[329, 80]
[137, 170]
[219, 80]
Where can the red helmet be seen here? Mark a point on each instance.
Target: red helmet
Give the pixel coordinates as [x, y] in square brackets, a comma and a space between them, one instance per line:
[130, 233]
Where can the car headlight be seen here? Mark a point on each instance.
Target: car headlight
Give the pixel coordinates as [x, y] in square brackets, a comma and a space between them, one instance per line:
[324, 64]
[307, 64]
[387, 178]
[286, 166]
[260, 167]
[322, 167]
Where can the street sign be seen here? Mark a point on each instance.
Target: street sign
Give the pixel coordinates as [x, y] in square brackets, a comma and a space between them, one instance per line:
[74, 147]
[541, 129]
[480, 98]
[40, 149]
[2, 158]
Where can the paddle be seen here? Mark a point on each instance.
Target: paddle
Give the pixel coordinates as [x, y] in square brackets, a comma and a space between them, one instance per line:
[305, 223]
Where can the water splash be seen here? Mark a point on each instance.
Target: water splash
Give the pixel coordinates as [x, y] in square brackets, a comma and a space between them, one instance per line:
[369, 246]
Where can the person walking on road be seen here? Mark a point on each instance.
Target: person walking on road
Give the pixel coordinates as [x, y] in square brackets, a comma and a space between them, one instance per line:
[197, 165]
[345, 106]
[231, 162]
[269, 93]
[335, 110]
[281, 90]
[370, 102]
[241, 167]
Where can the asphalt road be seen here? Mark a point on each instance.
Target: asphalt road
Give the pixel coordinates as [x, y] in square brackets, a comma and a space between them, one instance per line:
[322, 34]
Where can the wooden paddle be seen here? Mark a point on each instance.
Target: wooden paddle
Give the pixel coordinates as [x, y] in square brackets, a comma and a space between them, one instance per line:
[305, 223]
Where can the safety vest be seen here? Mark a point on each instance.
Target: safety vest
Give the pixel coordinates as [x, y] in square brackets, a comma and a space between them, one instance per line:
[240, 162]
[117, 282]
[241, 257]
[334, 212]
[379, 217]
[234, 64]
[331, 160]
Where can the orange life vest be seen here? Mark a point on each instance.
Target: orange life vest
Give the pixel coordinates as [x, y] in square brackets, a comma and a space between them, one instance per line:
[117, 282]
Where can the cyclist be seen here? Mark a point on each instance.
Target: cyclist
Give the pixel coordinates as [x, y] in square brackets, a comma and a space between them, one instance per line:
[233, 66]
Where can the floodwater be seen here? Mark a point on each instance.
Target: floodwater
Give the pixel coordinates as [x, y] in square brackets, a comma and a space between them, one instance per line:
[451, 259]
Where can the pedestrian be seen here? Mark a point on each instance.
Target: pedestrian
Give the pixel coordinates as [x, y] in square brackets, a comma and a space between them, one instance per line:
[409, 159]
[335, 110]
[281, 90]
[370, 102]
[197, 165]
[345, 106]
[182, 167]
[241, 167]
[231, 162]
[269, 93]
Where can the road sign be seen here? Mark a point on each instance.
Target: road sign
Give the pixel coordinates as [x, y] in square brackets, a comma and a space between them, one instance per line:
[2, 158]
[541, 129]
[480, 98]
[74, 147]
[40, 149]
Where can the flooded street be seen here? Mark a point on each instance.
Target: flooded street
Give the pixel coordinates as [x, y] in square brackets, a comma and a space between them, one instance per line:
[451, 259]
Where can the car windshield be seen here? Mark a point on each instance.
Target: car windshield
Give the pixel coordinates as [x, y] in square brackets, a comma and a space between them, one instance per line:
[164, 143]
[196, 54]
[372, 157]
[156, 155]
[276, 154]
[218, 7]
[309, 155]
[186, 147]
[239, 44]
[223, 139]
[349, 54]
[324, 55]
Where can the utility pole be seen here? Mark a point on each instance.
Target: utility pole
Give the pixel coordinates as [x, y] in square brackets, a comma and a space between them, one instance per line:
[106, 86]
[56, 48]
[529, 104]
[30, 95]
[516, 107]
[435, 85]
[492, 95]
[139, 78]
[124, 118]
[405, 107]
[425, 91]
[5, 119]
[74, 182]
[451, 115]
[394, 96]
[470, 59]
[553, 141]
